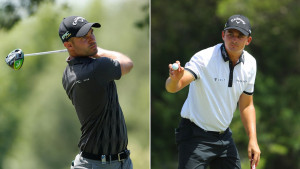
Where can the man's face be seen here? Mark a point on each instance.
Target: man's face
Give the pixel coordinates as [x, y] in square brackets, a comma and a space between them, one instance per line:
[86, 45]
[235, 41]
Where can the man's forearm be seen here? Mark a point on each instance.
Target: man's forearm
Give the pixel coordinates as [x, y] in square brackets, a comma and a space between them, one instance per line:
[248, 117]
[125, 62]
[178, 80]
[249, 120]
[172, 85]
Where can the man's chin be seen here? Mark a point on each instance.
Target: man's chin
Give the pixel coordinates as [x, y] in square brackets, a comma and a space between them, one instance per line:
[95, 52]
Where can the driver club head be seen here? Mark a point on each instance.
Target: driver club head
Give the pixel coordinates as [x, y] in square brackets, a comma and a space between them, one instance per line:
[15, 59]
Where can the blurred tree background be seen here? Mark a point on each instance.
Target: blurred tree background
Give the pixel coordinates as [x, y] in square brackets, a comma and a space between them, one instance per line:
[179, 29]
[38, 124]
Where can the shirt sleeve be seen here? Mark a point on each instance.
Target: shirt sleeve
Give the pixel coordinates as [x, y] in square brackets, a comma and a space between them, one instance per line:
[194, 66]
[249, 90]
[107, 69]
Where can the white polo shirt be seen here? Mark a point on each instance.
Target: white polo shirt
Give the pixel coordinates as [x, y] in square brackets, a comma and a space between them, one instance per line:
[213, 96]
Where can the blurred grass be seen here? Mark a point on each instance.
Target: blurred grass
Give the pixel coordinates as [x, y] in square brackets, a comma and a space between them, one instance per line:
[40, 126]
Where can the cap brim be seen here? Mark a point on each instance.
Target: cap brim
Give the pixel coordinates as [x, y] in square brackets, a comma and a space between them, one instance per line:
[239, 29]
[86, 28]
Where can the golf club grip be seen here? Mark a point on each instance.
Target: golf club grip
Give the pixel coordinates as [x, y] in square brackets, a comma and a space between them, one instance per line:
[252, 166]
[45, 53]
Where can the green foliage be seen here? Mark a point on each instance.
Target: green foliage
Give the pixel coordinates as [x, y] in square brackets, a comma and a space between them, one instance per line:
[8, 16]
[181, 28]
[178, 30]
[144, 22]
[38, 124]
[12, 11]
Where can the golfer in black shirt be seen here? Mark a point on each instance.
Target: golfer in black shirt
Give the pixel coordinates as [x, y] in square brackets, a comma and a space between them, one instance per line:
[89, 83]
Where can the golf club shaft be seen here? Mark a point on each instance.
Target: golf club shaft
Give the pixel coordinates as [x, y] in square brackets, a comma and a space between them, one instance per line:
[45, 53]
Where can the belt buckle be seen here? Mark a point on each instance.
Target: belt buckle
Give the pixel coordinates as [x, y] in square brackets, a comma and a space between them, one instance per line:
[103, 159]
[222, 132]
[119, 156]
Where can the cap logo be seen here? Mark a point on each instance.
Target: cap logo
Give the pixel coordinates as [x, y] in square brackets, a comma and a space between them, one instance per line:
[238, 20]
[81, 19]
[66, 35]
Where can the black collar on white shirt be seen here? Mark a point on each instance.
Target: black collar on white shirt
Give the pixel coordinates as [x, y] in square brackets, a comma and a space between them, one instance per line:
[231, 67]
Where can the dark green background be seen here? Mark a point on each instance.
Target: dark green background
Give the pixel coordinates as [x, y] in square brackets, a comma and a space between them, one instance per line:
[179, 29]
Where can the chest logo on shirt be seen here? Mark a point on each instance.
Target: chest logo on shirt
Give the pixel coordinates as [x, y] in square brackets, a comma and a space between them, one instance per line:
[219, 79]
[80, 81]
[241, 81]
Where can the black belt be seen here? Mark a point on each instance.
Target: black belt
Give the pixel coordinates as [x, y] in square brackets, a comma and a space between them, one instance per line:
[216, 132]
[185, 121]
[107, 158]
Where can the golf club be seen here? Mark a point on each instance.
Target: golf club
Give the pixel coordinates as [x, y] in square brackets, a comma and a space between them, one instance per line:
[252, 166]
[15, 58]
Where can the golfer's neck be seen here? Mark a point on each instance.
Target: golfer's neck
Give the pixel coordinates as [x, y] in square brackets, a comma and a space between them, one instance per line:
[234, 56]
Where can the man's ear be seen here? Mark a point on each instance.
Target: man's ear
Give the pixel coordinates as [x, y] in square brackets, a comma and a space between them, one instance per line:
[68, 45]
[249, 40]
[223, 34]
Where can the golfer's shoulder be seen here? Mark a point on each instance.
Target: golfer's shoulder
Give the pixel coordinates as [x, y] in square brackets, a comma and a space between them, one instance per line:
[103, 60]
[206, 54]
[105, 64]
[249, 59]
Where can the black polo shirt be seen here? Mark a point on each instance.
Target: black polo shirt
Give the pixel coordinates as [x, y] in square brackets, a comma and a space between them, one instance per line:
[90, 85]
